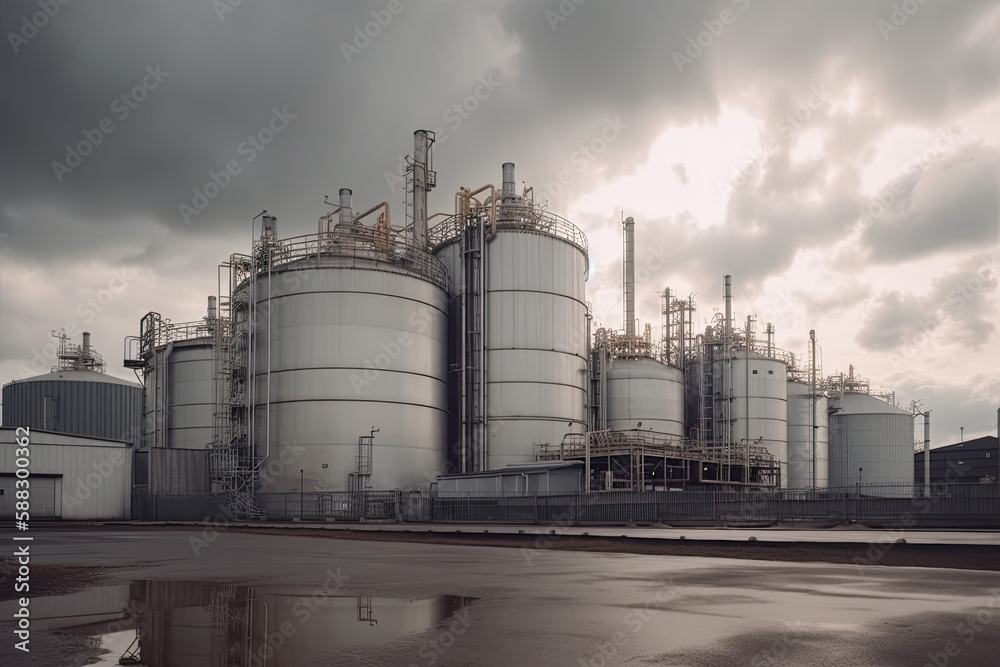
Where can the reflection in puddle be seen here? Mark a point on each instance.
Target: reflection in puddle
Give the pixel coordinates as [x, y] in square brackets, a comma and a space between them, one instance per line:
[197, 624]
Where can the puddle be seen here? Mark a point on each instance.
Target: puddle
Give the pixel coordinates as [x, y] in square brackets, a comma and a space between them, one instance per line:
[194, 624]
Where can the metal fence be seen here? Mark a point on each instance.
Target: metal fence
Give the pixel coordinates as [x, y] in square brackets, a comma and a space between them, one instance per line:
[907, 506]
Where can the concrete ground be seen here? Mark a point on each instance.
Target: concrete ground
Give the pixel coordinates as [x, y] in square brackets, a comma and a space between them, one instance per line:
[542, 607]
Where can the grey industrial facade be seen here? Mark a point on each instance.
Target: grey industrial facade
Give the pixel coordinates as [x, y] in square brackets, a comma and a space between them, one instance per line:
[969, 462]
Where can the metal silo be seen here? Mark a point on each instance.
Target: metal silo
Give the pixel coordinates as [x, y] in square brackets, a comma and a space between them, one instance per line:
[520, 341]
[348, 332]
[647, 392]
[758, 406]
[808, 432]
[76, 398]
[871, 445]
[178, 364]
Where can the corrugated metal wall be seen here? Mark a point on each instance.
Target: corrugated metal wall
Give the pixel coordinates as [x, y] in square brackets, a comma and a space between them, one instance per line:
[93, 480]
[175, 471]
[97, 409]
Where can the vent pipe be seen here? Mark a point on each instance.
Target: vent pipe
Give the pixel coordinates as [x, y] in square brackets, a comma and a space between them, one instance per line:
[507, 192]
[346, 213]
[421, 186]
[728, 296]
[629, 268]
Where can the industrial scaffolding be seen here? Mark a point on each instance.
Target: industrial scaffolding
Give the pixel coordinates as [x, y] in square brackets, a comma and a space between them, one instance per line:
[637, 460]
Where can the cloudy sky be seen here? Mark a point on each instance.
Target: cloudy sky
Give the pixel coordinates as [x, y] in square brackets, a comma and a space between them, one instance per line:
[840, 159]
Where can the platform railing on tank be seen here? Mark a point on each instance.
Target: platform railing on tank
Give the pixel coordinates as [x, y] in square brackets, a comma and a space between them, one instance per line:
[513, 216]
[360, 250]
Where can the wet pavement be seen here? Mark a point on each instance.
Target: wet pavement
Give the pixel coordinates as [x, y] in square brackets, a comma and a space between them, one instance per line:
[207, 598]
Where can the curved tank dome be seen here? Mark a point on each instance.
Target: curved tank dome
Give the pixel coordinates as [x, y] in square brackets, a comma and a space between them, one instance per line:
[77, 402]
[645, 394]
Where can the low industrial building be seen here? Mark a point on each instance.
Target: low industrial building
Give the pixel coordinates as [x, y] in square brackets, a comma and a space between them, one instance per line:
[541, 478]
[971, 462]
[69, 476]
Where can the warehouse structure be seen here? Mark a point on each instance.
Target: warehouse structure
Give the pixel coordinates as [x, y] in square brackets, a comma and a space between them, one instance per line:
[975, 461]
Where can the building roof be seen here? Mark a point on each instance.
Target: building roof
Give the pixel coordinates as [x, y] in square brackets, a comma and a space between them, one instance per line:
[985, 443]
[77, 376]
[517, 468]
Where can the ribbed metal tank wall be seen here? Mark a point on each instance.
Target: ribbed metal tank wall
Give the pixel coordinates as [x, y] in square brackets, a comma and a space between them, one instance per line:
[536, 341]
[188, 395]
[648, 392]
[800, 445]
[79, 402]
[351, 347]
[871, 445]
[759, 407]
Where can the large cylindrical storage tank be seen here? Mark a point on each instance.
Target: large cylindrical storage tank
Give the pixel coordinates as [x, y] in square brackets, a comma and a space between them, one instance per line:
[758, 409]
[645, 391]
[871, 446]
[180, 391]
[348, 338]
[78, 402]
[802, 462]
[536, 336]
[536, 342]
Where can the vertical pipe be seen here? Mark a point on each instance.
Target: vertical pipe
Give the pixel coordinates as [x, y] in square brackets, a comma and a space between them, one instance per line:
[346, 213]
[728, 297]
[86, 342]
[629, 268]
[813, 402]
[507, 192]
[212, 308]
[667, 327]
[680, 340]
[927, 453]
[421, 158]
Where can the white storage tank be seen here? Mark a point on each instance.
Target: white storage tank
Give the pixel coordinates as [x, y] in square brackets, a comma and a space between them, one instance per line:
[871, 445]
[645, 391]
[807, 414]
[179, 358]
[350, 334]
[534, 268]
[758, 408]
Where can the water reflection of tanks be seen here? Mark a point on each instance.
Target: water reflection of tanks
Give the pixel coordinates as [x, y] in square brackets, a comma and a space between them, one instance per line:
[197, 624]
[519, 324]
[349, 330]
[640, 391]
[871, 439]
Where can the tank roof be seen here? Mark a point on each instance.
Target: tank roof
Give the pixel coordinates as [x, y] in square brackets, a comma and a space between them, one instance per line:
[77, 376]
